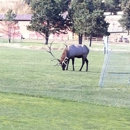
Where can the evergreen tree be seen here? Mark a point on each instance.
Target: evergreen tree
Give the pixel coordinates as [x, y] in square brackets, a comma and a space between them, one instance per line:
[125, 20]
[124, 4]
[90, 5]
[99, 5]
[48, 17]
[113, 6]
[96, 25]
[78, 14]
[87, 21]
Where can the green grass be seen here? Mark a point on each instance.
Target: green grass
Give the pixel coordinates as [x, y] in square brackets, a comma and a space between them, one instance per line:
[32, 113]
[36, 95]
[32, 72]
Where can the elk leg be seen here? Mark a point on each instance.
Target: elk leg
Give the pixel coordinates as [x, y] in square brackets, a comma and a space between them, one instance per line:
[73, 63]
[86, 64]
[83, 61]
[67, 64]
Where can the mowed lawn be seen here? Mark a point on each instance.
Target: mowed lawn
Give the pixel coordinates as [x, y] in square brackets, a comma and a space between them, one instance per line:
[19, 112]
[36, 95]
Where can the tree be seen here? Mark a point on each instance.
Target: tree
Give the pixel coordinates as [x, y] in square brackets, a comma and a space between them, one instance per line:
[99, 5]
[78, 14]
[86, 20]
[124, 4]
[113, 6]
[48, 17]
[96, 25]
[9, 26]
[89, 5]
[125, 20]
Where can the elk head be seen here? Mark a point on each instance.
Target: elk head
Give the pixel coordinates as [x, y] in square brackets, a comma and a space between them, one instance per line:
[63, 61]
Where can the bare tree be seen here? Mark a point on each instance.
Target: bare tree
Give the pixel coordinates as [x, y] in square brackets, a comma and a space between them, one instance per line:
[9, 29]
[9, 26]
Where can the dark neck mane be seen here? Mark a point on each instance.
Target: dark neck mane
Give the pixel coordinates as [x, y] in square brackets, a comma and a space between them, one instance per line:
[64, 54]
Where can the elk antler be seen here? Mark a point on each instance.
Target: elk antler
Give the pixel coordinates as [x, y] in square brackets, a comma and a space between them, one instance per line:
[58, 64]
[65, 43]
[49, 51]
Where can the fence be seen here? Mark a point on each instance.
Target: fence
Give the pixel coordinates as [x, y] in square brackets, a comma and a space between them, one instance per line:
[115, 71]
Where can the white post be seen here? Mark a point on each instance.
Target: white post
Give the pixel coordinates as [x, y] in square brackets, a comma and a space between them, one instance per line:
[105, 39]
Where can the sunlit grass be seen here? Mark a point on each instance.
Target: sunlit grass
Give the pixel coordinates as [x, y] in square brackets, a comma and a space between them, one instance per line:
[36, 95]
[33, 113]
[31, 72]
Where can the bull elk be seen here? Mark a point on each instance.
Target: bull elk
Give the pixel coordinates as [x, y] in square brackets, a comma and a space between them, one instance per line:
[72, 52]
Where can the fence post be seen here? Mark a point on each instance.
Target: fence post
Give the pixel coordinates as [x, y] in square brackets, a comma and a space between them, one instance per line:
[105, 39]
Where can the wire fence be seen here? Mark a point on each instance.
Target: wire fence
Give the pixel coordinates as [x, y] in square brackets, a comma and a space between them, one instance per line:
[115, 71]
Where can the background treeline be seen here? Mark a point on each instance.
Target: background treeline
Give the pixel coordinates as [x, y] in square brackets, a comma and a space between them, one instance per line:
[23, 6]
[107, 5]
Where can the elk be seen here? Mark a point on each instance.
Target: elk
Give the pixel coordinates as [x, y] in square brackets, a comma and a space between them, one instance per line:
[72, 52]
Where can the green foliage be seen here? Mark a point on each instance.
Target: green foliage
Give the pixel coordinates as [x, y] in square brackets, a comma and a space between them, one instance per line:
[87, 20]
[125, 20]
[48, 17]
[99, 4]
[89, 5]
[79, 16]
[113, 5]
[97, 26]
[9, 16]
[124, 4]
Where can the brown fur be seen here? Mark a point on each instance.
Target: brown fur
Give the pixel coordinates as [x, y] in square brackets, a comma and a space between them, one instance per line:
[63, 55]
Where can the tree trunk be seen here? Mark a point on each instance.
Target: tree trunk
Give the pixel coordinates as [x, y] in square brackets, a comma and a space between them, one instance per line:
[128, 32]
[9, 40]
[46, 38]
[9, 35]
[80, 38]
[90, 40]
[47, 33]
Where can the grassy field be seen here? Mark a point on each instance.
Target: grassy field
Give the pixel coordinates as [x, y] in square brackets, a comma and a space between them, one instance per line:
[36, 95]
[20, 112]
